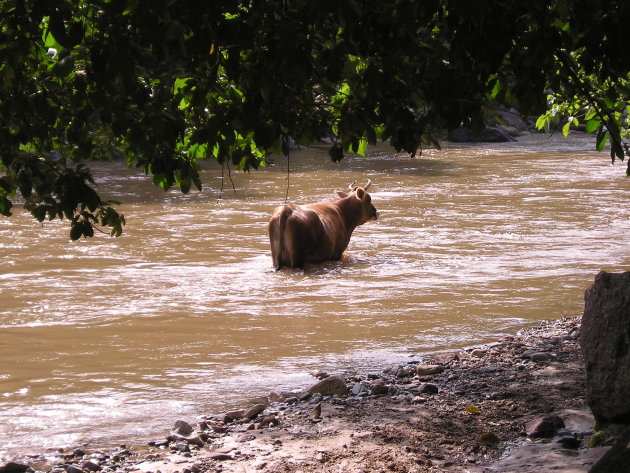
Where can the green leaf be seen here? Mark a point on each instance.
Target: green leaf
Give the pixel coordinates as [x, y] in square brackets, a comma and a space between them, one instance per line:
[359, 147]
[592, 125]
[336, 152]
[5, 206]
[76, 231]
[602, 137]
[39, 213]
[542, 122]
[590, 114]
[566, 128]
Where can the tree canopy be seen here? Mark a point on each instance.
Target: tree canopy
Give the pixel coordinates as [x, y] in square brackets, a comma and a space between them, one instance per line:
[165, 84]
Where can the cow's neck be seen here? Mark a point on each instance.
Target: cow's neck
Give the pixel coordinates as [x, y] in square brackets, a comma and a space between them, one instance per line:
[351, 214]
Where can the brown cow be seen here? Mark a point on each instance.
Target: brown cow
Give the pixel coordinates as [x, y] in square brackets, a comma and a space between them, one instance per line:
[318, 232]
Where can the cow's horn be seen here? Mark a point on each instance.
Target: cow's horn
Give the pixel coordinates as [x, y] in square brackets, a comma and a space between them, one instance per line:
[365, 187]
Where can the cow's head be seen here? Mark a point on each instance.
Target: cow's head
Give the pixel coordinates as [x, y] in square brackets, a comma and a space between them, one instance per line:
[366, 210]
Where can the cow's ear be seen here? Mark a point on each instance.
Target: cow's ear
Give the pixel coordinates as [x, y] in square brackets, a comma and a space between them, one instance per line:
[360, 193]
[343, 195]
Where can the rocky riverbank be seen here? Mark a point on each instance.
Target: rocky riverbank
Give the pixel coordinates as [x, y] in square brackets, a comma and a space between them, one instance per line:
[514, 405]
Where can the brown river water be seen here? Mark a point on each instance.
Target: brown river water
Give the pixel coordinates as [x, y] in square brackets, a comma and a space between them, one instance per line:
[109, 340]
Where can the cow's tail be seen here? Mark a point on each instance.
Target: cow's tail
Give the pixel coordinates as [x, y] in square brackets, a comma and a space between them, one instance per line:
[277, 231]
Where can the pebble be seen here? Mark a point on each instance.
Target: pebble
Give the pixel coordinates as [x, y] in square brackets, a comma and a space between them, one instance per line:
[182, 447]
[540, 357]
[359, 388]
[91, 465]
[426, 370]
[72, 469]
[13, 467]
[379, 388]
[478, 353]
[428, 388]
[316, 413]
[316, 398]
[219, 456]
[319, 374]
[446, 357]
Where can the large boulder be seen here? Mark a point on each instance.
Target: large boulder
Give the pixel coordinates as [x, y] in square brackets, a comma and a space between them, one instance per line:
[605, 341]
[487, 135]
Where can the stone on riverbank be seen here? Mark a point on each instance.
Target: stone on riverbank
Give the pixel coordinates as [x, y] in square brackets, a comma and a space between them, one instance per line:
[605, 341]
[544, 427]
[253, 411]
[183, 431]
[331, 386]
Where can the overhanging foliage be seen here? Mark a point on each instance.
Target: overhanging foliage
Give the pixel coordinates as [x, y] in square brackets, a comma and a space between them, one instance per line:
[167, 83]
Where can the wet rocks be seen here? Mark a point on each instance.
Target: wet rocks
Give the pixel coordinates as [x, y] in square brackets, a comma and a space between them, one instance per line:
[605, 341]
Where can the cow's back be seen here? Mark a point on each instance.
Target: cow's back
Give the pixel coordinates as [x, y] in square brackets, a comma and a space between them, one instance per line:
[298, 236]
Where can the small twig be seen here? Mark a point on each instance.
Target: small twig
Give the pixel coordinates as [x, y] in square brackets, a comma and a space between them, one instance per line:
[222, 180]
[286, 196]
[98, 229]
[223, 166]
[230, 177]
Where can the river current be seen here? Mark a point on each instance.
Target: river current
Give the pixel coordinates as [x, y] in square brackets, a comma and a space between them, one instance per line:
[110, 339]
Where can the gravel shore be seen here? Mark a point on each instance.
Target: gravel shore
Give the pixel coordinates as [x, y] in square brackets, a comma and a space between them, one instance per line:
[516, 405]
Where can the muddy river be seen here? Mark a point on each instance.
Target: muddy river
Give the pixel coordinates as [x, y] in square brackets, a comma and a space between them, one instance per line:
[105, 340]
